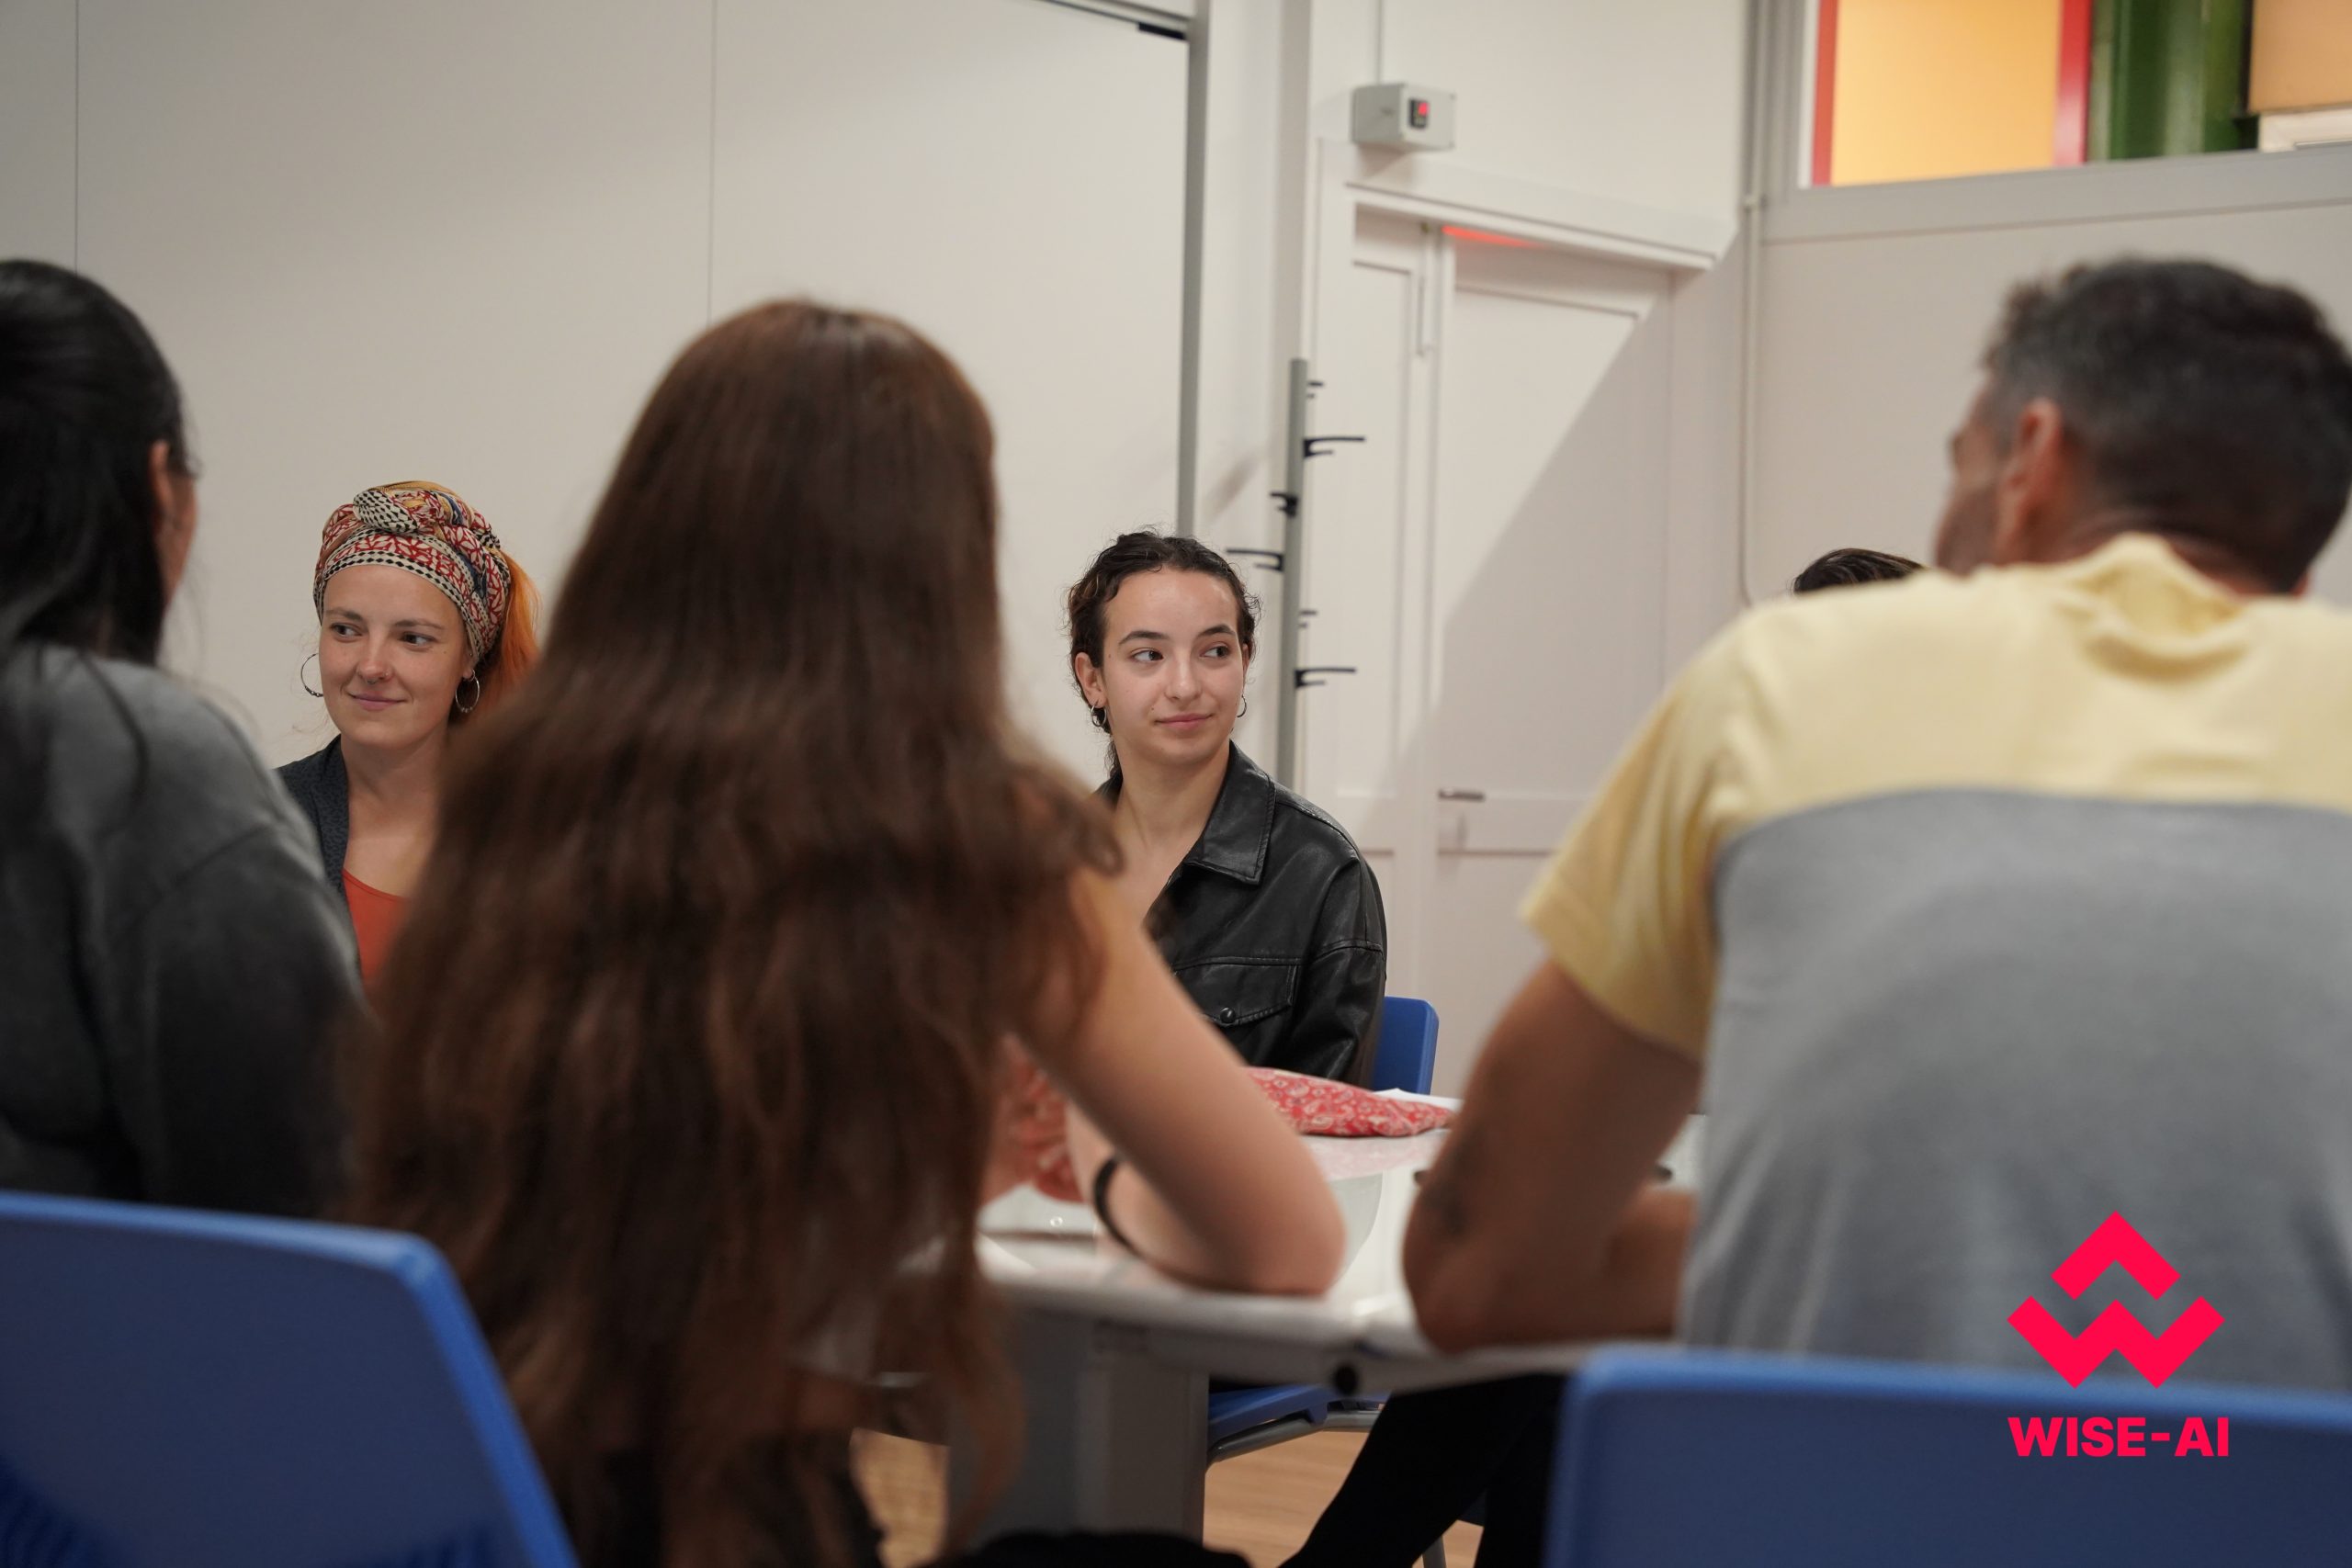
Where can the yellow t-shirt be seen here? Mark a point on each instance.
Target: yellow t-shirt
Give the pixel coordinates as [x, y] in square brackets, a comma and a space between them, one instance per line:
[1997, 906]
[2126, 676]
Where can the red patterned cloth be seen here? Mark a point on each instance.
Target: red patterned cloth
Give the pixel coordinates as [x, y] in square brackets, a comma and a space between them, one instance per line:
[422, 528]
[1325, 1109]
[1034, 1137]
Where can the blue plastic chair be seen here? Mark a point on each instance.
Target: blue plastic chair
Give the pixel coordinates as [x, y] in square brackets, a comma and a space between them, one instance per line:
[1242, 1420]
[1406, 1054]
[183, 1390]
[1673, 1458]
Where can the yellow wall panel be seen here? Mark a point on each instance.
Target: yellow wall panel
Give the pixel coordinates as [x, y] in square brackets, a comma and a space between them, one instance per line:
[2302, 54]
[1929, 89]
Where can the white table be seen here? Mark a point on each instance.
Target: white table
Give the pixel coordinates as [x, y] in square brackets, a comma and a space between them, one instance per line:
[1115, 1358]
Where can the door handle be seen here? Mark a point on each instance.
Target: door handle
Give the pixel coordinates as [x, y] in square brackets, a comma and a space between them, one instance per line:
[1462, 795]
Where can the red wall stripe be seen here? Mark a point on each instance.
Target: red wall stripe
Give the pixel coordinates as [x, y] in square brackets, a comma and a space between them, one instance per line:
[2073, 138]
[1825, 87]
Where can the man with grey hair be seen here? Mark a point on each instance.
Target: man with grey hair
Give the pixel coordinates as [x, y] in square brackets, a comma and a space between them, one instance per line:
[1987, 904]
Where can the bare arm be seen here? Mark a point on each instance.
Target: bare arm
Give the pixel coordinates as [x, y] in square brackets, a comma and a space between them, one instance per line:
[1538, 1221]
[1217, 1189]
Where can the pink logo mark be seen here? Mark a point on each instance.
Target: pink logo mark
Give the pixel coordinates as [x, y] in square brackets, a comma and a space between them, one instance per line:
[2157, 1356]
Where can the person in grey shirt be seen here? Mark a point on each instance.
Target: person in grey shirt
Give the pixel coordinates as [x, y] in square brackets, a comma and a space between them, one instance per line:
[173, 970]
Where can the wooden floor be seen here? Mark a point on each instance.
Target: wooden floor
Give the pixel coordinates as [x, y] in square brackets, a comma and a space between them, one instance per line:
[1261, 1505]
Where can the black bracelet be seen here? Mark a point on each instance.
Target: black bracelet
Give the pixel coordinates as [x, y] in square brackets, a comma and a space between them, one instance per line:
[1109, 1169]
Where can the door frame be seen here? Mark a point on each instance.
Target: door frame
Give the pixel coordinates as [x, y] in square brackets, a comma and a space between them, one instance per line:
[1349, 185]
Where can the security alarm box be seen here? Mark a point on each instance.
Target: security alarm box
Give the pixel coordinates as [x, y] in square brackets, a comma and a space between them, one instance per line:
[1398, 114]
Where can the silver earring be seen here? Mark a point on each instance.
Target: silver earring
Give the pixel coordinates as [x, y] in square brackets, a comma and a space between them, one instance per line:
[305, 679]
[468, 708]
[1243, 711]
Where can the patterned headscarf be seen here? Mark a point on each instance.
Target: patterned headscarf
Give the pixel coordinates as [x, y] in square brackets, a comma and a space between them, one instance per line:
[425, 529]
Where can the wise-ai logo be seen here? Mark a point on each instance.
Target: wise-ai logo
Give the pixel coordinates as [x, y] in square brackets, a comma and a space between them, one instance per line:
[2115, 1332]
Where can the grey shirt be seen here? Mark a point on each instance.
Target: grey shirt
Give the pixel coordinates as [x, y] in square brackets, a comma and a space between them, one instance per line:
[173, 967]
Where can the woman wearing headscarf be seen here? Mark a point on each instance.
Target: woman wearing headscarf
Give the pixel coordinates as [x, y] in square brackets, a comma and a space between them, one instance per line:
[424, 620]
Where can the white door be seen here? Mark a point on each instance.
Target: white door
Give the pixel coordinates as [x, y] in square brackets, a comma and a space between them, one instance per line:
[1493, 561]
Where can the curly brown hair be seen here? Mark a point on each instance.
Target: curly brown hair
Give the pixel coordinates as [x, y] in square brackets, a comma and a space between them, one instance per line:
[694, 1035]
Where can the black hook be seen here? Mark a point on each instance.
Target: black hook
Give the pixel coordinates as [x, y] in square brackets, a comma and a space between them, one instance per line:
[1314, 444]
[1299, 676]
[1275, 557]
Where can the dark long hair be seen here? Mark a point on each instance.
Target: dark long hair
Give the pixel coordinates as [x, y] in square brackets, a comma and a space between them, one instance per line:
[695, 1036]
[84, 395]
[1850, 567]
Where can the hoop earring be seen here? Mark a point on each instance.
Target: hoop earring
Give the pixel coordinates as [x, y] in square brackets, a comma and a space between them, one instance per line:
[468, 708]
[1243, 711]
[305, 679]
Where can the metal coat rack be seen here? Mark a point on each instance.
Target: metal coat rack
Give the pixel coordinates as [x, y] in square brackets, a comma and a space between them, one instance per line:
[1289, 676]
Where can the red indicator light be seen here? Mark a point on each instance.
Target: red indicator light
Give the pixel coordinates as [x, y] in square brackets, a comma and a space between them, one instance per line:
[1481, 236]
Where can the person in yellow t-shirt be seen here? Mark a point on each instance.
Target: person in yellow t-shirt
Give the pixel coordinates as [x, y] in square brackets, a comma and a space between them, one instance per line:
[1912, 876]
[1431, 1456]
[1951, 894]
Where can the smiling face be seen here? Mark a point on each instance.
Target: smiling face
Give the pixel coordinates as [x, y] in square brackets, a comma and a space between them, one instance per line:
[392, 656]
[1172, 668]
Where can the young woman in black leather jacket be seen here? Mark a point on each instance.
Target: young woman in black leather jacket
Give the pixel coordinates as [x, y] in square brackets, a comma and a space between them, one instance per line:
[1261, 903]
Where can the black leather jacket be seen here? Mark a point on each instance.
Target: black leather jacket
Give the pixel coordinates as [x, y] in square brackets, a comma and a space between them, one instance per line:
[1273, 925]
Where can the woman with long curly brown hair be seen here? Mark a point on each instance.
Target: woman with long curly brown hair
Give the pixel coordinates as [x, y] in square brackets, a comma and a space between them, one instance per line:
[697, 1049]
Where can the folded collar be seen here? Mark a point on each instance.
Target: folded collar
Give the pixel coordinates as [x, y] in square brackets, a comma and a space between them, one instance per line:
[1240, 825]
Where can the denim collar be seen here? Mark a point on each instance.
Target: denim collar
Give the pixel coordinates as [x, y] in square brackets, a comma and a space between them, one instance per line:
[1241, 824]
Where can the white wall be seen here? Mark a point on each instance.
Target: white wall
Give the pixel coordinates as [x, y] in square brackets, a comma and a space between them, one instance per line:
[1641, 104]
[457, 241]
[1874, 314]
[1638, 102]
[1009, 176]
[1561, 103]
[37, 129]
[385, 242]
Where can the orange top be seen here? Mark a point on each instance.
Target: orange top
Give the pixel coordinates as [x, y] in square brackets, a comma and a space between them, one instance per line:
[375, 920]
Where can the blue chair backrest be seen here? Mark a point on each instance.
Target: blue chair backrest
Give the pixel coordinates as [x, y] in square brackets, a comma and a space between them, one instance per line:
[1674, 1458]
[203, 1391]
[1406, 1055]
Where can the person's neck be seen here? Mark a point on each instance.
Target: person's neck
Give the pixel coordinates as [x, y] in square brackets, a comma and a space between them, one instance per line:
[2096, 530]
[1162, 807]
[397, 783]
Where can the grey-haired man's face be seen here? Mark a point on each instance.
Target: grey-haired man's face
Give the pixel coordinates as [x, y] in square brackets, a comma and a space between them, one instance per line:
[1964, 535]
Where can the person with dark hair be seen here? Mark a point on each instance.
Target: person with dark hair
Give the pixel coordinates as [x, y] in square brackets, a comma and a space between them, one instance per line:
[2174, 400]
[749, 931]
[1990, 905]
[1430, 1457]
[1851, 568]
[1259, 901]
[171, 965]
[424, 620]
